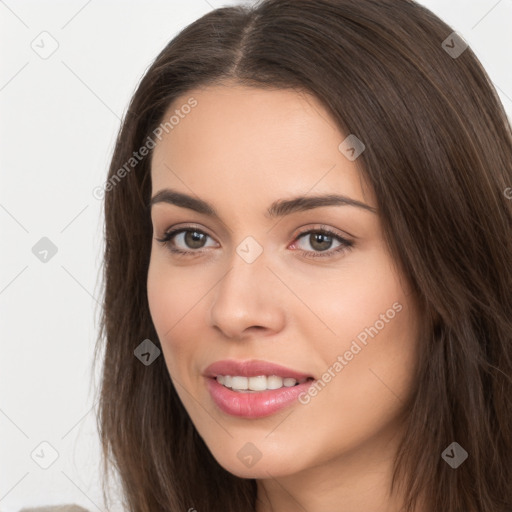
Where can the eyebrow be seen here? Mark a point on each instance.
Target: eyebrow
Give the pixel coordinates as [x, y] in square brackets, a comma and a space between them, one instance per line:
[278, 208]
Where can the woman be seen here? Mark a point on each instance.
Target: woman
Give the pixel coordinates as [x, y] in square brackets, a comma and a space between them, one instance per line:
[308, 289]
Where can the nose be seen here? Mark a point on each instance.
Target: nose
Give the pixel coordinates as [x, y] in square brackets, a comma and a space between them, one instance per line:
[249, 299]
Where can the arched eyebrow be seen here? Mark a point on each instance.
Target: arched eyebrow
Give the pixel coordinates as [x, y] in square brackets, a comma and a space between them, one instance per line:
[278, 208]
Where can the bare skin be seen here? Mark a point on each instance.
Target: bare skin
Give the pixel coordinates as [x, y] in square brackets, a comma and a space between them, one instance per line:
[240, 149]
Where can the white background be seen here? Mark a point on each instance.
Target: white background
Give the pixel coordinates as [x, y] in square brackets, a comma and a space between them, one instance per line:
[59, 119]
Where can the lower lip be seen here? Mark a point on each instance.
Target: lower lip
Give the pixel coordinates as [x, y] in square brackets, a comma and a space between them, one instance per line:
[257, 404]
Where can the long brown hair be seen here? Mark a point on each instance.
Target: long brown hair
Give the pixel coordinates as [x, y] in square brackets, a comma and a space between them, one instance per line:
[439, 158]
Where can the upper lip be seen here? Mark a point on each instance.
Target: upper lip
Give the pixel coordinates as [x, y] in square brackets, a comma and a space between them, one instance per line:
[252, 368]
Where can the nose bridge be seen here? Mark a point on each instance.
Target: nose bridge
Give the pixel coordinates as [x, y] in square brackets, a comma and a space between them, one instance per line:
[247, 267]
[246, 295]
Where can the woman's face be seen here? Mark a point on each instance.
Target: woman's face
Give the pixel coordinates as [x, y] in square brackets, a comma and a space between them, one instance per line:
[263, 281]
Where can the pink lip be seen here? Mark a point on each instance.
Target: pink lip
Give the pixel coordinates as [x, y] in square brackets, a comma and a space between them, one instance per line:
[256, 404]
[251, 369]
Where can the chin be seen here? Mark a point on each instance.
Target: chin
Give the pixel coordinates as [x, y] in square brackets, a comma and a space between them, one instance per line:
[261, 466]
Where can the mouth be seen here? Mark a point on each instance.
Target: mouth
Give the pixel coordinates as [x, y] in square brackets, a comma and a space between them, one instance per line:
[254, 389]
[238, 370]
[256, 384]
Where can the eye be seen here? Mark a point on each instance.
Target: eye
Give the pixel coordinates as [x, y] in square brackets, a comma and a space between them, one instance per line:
[189, 240]
[321, 241]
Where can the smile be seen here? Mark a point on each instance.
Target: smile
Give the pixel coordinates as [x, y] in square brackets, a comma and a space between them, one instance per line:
[258, 383]
[252, 404]
[254, 388]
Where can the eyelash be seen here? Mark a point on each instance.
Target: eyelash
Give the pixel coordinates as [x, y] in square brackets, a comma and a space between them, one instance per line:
[346, 245]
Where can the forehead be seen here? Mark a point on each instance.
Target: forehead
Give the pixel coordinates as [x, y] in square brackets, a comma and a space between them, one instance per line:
[254, 141]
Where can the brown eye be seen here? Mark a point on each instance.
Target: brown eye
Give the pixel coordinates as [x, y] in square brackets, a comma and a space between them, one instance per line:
[185, 240]
[320, 242]
[194, 239]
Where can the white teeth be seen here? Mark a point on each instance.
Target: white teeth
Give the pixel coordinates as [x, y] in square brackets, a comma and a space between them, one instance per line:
[274, 382]
[240, 383]
[258, 383]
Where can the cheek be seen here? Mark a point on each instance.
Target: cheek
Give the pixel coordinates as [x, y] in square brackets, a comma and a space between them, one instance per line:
[373, 353]
[173, 300]
[349, 301]
[173, 292]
